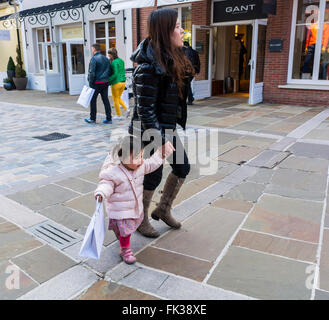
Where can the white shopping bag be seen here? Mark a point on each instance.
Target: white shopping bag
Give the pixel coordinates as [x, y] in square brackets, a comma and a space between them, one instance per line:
[85, 96]
[93, 241]
[125, 97]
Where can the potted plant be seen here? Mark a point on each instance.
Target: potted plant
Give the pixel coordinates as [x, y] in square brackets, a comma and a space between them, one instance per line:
[20, 78]
[8, 84]
[11, 68]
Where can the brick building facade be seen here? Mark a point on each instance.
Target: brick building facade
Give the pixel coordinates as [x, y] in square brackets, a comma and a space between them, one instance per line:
[280, 85]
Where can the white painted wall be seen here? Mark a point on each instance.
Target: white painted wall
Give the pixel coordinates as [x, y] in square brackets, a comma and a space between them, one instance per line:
[124, 48]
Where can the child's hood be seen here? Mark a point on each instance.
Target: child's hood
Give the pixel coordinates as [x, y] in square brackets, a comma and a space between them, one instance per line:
[109, 164]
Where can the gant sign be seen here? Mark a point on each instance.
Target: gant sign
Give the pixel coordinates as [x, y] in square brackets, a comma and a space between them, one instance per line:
[234, 10]
[240, 9]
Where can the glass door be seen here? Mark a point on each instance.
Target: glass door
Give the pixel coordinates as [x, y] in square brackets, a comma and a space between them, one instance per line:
[53, 65]
[257, 62]
[76, 66]
[202, 42]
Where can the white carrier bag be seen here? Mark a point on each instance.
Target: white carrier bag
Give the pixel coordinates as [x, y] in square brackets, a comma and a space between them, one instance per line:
[85, 96]
[93, 241]
[125, 97]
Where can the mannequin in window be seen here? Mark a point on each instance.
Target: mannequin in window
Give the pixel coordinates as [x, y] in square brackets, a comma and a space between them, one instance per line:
[324, 69]
[310, 48]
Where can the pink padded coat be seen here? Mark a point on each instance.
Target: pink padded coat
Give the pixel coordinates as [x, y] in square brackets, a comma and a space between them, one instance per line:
[122, 189]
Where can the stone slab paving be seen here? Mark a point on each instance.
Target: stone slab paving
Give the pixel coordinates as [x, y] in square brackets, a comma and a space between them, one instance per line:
[220, 220]
[204, 235]
[43, 263]
[104, 290]
[10, 288]
[168, 286]
[246, 191]
[293, 249]
[15, 241]
[298, 184]
[185, 266]
[261, 276]
[292, 218]
[64, 286]
[43, 197]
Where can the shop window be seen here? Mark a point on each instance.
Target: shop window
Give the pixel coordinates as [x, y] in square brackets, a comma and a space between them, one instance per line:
[105, 35]
[310, 36]
[185, 17]
[43, 36]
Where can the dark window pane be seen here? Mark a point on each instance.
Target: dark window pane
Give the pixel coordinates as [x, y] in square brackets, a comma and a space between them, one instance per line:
[77, 58]
[100, 30]
[112, 29]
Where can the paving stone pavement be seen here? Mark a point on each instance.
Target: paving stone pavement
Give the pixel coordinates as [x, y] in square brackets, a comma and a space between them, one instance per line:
[255, 227]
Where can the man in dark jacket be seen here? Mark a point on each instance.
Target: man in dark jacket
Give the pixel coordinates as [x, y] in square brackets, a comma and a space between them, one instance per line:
[98, 78]
[193, 56]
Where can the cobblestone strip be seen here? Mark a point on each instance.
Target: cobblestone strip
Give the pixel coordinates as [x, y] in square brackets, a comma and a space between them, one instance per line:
[64, 286]
[168, 286]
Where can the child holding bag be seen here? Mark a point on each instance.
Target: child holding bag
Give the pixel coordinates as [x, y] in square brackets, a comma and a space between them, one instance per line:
[121, 187]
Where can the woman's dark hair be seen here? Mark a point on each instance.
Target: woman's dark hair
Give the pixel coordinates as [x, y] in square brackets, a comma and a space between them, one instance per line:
[128, 145]
[113, 52]
[161, 25]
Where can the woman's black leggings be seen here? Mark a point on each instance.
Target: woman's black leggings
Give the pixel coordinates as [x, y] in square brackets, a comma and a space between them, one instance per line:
[178, 162]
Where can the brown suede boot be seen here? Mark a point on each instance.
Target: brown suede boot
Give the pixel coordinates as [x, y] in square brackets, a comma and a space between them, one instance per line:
[146, 228]
[170, 191]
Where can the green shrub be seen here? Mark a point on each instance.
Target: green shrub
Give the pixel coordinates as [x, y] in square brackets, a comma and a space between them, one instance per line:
[19, 57]
[11, 64]
[7, 80]
[20, 72]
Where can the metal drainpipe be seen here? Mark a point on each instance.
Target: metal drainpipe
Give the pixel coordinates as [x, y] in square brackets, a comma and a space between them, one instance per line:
[18, 37]
[138, 26]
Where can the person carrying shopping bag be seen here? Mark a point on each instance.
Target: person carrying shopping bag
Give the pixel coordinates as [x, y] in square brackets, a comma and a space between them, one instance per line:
[118, 83]
[121, 188]
[98, 79]
[160, 90]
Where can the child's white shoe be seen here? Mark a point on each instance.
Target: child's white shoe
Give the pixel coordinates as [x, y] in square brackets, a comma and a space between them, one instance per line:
[117, 118]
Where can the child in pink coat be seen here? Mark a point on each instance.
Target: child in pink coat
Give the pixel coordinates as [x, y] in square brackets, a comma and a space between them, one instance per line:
[121, 187]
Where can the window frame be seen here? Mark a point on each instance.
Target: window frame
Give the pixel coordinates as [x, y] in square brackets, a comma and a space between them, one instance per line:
[107, 38]
[317, 56]
[38, 43]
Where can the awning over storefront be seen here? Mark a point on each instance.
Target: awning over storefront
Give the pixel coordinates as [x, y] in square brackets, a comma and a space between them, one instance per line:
[62, 6]
[171, 2]
[236, 10]
[118, 5]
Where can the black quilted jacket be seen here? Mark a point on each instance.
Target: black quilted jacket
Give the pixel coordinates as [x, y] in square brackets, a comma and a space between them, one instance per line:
[157, 104]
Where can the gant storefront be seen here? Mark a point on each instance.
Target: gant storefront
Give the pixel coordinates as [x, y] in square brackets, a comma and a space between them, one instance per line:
[266, 50]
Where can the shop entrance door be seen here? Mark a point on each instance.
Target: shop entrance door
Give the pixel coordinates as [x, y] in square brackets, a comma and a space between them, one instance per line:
[257, 62]
[54, 69]
[202, 42]
[76, 66]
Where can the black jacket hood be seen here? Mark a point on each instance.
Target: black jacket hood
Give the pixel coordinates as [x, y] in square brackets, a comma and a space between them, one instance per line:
[145, 54]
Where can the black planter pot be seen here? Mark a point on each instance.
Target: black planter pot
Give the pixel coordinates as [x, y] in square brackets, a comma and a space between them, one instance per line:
[20, 83]
[11, 74]
[8, 86]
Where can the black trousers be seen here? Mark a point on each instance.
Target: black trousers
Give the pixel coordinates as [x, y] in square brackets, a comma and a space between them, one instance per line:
[178, 161]
[103, 90]
[190, 97]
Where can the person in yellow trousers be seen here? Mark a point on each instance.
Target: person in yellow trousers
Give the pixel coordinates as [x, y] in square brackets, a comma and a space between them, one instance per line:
[118, 83]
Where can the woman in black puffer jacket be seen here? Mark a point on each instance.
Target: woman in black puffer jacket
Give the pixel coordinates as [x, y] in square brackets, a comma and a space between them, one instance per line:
[160, 90]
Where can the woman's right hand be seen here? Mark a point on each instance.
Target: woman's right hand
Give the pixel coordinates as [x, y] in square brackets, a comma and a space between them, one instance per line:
[99, 198]
[167, 149]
